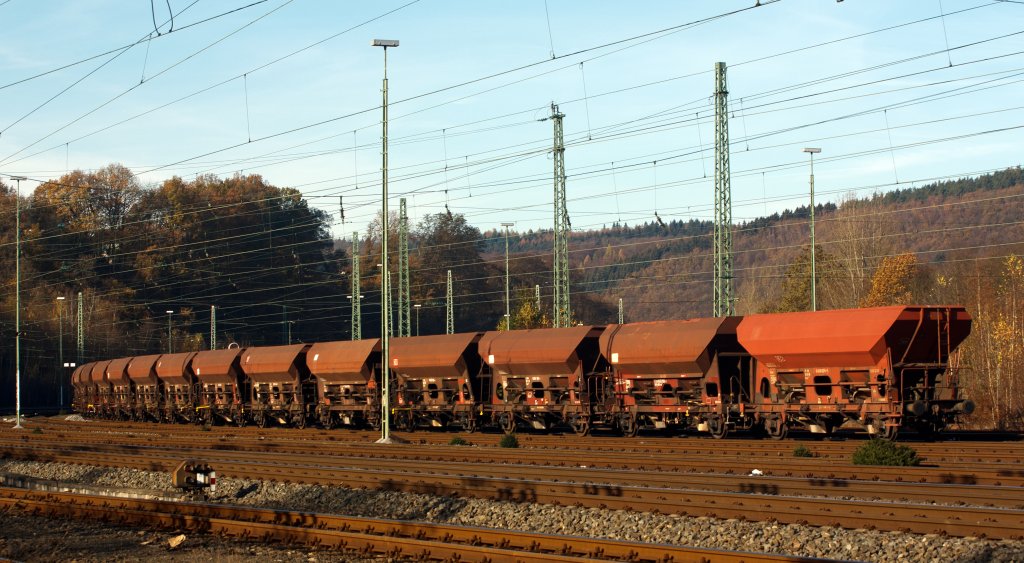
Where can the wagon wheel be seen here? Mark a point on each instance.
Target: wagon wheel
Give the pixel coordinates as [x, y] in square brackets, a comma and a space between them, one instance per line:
[260, 418]
[240, 419]
[507, 422]
[718, 426]
[885, 432]
[775, 427]
[469, 423]
[580, 425]
[299, 420]
[326, 420]
[628, 425]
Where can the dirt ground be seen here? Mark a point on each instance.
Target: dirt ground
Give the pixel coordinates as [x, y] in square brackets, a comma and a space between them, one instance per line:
[28, 538]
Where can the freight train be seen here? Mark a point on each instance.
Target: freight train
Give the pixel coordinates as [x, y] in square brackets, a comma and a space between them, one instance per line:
[880, 369]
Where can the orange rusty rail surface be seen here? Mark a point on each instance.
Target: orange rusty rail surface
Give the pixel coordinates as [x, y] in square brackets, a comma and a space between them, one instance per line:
[364, 536]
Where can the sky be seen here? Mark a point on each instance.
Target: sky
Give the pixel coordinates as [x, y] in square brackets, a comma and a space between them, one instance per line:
[896, 94]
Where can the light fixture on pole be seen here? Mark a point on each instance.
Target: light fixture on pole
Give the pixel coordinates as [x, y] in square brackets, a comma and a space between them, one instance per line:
[814, 277]
[60, 347]
[170, 347]
[417, 307]
[508, 316]
[385, 313]
[17, 300]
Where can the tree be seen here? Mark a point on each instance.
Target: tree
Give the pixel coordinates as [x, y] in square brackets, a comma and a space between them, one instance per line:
[796, 289]
[893, 281]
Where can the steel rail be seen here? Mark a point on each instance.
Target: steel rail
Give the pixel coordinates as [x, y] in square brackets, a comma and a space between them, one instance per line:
[365, 536]
[809, 468]
[919, 518]
[979, 495]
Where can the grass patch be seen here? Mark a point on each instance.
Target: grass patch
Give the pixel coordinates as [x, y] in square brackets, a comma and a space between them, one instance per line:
[884, 452]
[802, 451]
[458, 441]
[509, 441]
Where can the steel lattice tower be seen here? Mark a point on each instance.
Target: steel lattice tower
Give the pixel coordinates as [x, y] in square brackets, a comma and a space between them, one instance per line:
[723, 302]
[357, 317]
[449, 309]
[213, 327]
[562, 316]
[81, 331]
[404, 305]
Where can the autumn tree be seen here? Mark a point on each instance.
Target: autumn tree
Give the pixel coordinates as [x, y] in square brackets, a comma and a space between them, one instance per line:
[893, 282]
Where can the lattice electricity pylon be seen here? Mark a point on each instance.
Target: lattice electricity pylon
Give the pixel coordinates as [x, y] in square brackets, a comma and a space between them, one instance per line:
[213, 327]
[404, 305]
[357, 317]
[81, 331]
[449, 308]
[723, 287]
[562, 316]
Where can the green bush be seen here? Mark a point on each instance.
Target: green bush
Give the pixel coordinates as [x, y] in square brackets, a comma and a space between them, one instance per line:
[458, 441]
[509, 441]
[802, 451]
[883, 452]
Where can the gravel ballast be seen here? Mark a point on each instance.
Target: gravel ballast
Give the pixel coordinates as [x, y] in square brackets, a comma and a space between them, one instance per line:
[766, 537]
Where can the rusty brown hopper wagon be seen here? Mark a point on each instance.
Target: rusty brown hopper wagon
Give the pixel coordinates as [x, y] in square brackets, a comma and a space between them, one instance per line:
[223, 390]
[539, 376]
[175, 372]
[346, 378]
[122, 404]
[82, 387]
[149, 392]
[282, 388]
[102, 390]
[438, 381]
[881, 368]
[675, 374]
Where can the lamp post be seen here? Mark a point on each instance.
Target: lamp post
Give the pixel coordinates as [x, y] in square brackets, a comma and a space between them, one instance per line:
[385, 313]
[60, 347]
[17, 300]
[508, 316]
[814, 277]
[417, 307]
[170, 346]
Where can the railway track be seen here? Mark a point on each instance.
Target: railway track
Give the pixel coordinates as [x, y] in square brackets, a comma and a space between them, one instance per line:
[958, 450]
[757, 498]
[363, 536]
[820, 470]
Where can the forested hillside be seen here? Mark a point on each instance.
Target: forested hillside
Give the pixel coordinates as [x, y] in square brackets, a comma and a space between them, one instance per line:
[265, 259]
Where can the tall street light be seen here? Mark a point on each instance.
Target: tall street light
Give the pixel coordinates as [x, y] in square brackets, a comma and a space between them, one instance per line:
[17, 300]
[170, 341]
[814, 277]
[60, 347]
[417, 307]
[385, 313]
[508, 316]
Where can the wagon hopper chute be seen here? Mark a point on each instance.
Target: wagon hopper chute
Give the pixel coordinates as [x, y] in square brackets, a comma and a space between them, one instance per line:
[223, 389]
[438, 380]
[149, 393]
[540, 376]
[282, 389]
[346, 376]
[881, 368]
[676, 374]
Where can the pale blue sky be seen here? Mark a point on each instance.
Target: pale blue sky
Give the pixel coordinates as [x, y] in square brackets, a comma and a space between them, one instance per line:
[493, 125]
